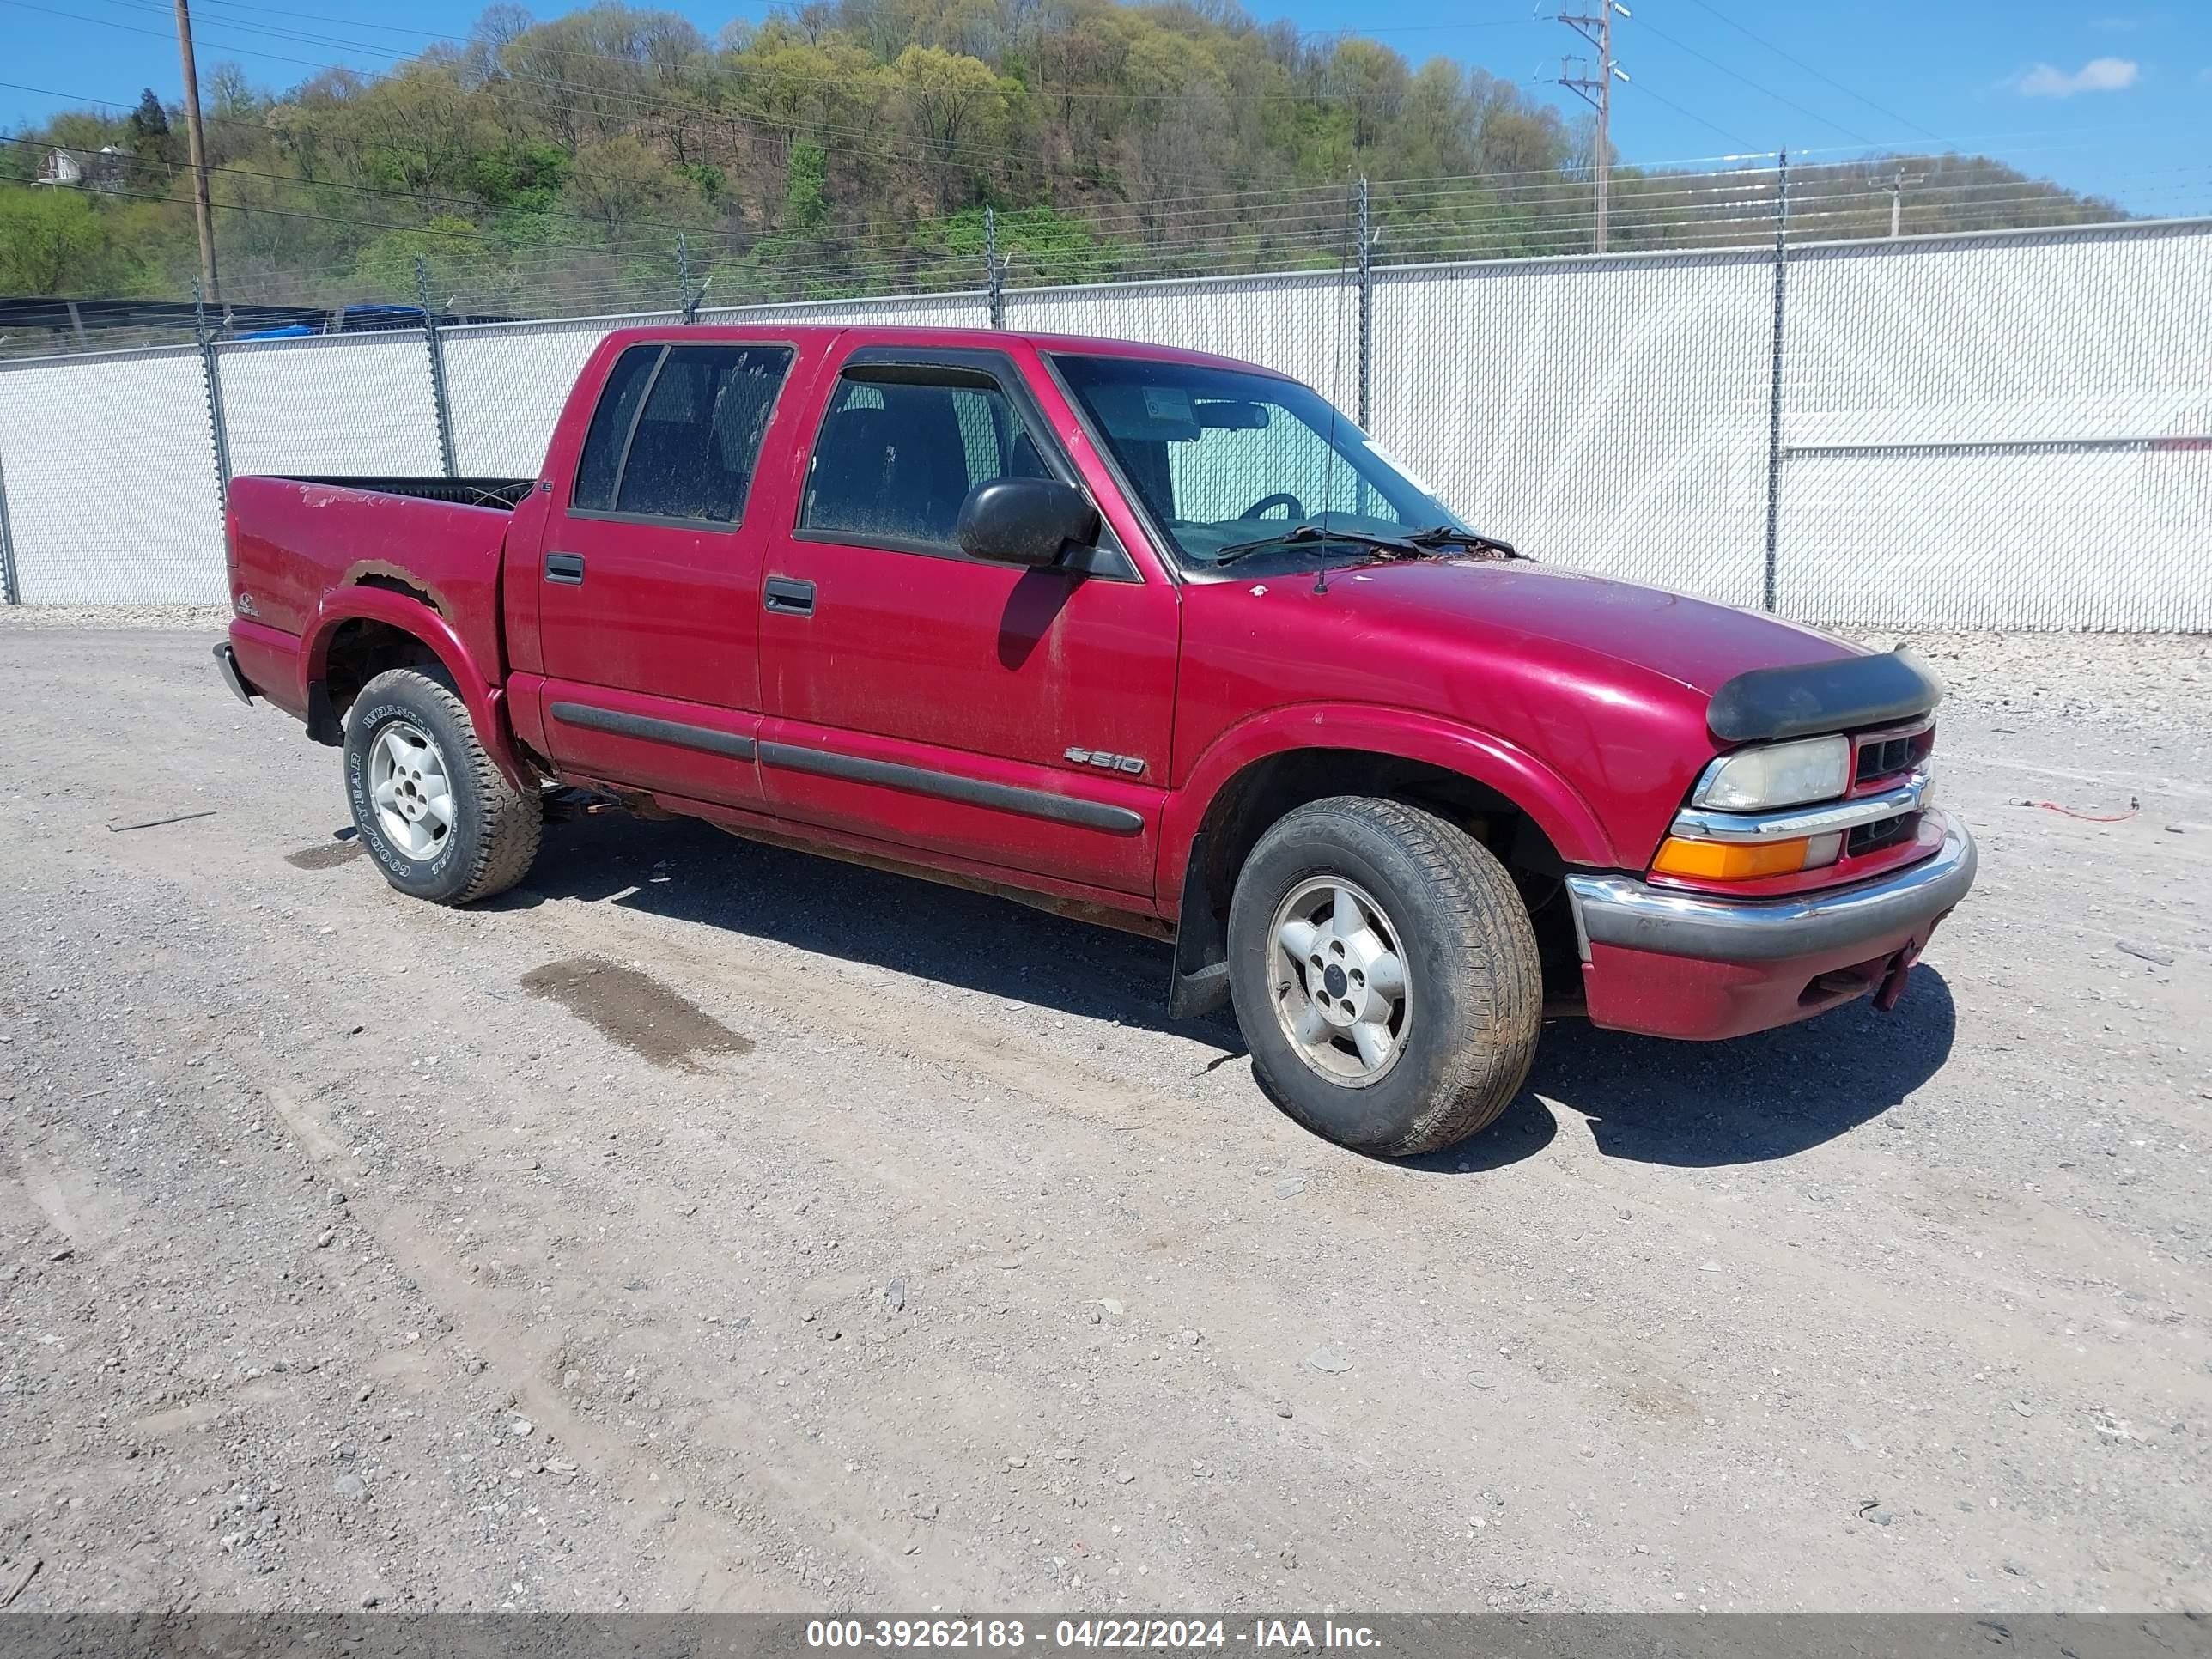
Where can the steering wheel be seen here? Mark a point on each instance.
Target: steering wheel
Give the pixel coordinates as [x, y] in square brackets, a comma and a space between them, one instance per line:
[1282, 498]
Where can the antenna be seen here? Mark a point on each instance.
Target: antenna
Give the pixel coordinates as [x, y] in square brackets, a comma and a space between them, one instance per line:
[1595, 89]
[1335, 377]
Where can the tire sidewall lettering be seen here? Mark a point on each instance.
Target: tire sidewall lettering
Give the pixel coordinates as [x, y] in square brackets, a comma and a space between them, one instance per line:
[417, 875]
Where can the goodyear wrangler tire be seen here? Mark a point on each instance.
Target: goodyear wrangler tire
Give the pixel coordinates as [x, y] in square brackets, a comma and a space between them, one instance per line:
[442, 821]
[1385, 975]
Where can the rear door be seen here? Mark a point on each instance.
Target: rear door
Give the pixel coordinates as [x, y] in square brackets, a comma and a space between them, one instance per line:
[650, 578]
[1011, 718]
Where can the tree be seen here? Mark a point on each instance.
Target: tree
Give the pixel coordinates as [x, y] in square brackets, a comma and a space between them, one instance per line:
[147, 132]
[954, 104]
[232, 98]
[621, 181]
[448, 246]
[52, 241]
[805, 205]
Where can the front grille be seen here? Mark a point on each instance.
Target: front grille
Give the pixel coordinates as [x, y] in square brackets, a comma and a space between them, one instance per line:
[1884, 758]
[1883, 832]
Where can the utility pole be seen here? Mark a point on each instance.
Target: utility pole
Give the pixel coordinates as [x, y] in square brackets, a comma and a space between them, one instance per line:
[995, 268]
[1896, 188]
[201, 210]
[1593, 89]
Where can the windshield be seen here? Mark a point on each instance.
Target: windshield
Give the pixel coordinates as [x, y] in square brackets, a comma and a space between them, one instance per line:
[1223, 458]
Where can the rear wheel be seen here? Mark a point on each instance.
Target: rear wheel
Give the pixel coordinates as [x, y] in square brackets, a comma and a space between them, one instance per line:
[1385, 975]
[441, 819]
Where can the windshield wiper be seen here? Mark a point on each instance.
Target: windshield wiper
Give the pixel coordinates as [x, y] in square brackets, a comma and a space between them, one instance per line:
[1313, 532]
[1443, 535]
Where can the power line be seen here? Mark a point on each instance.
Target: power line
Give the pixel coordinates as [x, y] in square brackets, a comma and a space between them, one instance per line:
[1692, 115]
[1758, 87]
[1816, 74]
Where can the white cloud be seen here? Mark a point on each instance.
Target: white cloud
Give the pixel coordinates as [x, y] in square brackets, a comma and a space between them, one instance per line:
[2097, 75]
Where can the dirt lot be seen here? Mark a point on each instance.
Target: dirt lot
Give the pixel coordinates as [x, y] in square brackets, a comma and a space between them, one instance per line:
[709, 1227]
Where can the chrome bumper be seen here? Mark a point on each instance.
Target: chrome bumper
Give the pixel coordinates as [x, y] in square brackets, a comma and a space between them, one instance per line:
[1624, 911]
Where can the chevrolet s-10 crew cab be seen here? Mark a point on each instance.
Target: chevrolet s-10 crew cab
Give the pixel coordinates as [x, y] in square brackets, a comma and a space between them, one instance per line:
[1153, 638]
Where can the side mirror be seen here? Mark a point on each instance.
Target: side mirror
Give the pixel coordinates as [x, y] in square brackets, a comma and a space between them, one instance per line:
[1024, 521]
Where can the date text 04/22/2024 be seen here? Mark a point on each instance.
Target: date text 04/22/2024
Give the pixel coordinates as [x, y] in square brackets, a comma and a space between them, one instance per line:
[1158, 1634]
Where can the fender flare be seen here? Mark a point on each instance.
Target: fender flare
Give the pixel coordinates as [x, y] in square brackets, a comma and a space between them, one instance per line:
[484, 698]
[1554, 804]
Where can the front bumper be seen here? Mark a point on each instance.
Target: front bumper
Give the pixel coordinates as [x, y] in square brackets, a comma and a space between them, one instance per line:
[1671, 963]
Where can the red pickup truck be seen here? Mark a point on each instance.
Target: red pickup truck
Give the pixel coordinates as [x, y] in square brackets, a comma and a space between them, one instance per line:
[1152, 638]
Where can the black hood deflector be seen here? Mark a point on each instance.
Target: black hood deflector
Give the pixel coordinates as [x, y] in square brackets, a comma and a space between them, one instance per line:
[1808, 699]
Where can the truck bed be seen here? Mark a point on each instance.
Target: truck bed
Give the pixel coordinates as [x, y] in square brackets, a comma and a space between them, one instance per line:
[294, 542]
[503, 494]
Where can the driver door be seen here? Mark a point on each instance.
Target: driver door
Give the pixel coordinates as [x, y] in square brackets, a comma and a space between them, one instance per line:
[981, 714]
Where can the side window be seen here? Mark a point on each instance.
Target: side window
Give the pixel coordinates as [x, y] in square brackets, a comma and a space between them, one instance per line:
[692, 452]
[895, 459]
[610, 423]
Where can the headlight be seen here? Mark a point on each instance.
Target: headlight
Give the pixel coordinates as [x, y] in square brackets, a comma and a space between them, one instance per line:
[1779, 774]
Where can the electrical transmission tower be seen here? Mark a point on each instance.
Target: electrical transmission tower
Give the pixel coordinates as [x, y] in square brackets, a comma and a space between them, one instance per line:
[1595, 89]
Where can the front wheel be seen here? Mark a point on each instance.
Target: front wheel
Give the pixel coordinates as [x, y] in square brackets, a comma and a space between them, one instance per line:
[1385, 975]
[441, 820]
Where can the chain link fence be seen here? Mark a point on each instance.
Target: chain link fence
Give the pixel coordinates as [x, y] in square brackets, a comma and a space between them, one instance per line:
[1618, 427]
[1998, 429]
[330, 405]
[108, 487]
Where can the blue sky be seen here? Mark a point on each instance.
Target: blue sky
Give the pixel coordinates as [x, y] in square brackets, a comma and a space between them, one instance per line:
[2106, 97]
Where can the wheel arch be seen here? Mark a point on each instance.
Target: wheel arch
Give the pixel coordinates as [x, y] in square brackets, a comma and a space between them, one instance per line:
[1535, 822]
[361, 630]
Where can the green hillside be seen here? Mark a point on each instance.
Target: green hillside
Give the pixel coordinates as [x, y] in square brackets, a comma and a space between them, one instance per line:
[851, 147]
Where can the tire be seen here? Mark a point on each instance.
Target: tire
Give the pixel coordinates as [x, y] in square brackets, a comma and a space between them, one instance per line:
[1458, 1040]
[410, 730]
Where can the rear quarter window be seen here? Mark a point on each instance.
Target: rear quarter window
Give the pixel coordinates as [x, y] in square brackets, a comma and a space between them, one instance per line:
[693, 447]
[610, 423]
[678, 431]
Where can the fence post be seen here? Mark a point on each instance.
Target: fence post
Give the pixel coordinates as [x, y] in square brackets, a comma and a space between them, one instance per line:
[1774, 384]
[218, 429]
[11, 586]
[437, 370]
[1366, 315]
[993, 269]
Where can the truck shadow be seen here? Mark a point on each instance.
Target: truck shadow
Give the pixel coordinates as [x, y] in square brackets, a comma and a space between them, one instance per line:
[1694, 1105]
[1699, 1105]
[690, 871]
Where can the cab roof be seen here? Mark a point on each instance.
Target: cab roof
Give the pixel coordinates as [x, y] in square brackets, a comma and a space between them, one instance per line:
[972, 339]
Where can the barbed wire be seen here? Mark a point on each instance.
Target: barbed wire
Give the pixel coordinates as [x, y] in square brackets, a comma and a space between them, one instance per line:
[618, 265]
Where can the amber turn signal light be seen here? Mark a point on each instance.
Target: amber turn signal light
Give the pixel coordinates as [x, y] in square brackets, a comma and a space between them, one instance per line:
[1743, 860]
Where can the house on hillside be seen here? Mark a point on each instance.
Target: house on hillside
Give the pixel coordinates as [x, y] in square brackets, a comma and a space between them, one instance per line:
[106, 168]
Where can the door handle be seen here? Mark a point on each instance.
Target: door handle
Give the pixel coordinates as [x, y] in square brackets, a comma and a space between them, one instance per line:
[568, 568]
[788, 597]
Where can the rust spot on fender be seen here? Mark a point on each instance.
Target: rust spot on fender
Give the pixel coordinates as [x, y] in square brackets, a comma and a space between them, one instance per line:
[395, 578]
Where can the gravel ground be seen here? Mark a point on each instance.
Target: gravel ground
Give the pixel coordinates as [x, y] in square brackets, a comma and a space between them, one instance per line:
[210, 619]
[709, 1227]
